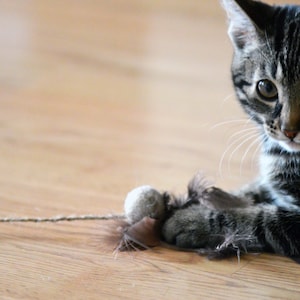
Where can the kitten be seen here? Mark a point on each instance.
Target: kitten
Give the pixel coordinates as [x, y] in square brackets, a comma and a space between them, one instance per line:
[266, 78]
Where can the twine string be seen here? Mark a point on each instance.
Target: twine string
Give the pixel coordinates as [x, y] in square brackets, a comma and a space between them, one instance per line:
[56, 219]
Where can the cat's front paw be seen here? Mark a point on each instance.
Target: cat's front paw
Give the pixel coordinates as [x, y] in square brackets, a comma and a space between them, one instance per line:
[189, 228]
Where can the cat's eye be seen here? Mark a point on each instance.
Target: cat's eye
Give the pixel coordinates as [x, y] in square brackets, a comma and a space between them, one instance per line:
[267, 90]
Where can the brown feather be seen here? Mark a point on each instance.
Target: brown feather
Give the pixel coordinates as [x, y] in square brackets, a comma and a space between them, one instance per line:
[141, 235]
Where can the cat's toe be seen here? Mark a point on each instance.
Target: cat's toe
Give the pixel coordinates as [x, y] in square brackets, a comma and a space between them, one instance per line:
[186, 228]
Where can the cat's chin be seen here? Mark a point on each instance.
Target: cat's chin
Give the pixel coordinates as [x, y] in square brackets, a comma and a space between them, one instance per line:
[290, 146]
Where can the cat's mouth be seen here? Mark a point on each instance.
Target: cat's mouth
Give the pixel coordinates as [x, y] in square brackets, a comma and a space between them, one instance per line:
[288, 141]
[290, 145]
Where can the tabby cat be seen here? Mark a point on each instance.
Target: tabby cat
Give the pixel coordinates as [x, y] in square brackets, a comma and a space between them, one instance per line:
[266, 77]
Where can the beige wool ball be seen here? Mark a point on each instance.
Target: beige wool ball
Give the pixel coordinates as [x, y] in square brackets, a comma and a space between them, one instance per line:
[144, 201]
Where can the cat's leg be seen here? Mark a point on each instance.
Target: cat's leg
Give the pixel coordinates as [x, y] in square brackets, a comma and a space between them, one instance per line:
[255, 193]
[255, 228]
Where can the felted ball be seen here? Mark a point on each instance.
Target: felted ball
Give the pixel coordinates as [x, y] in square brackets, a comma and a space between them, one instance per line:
[144, 201]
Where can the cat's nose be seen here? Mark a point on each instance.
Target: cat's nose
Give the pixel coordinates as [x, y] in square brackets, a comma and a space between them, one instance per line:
[291, 134]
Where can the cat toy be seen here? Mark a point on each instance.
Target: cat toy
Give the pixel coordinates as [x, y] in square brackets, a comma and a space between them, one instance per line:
[145, 211]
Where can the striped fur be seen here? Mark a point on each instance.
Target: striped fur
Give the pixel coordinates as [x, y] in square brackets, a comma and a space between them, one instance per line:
[266, 42]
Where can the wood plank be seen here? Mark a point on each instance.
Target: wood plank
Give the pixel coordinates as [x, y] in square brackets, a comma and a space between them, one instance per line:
[98, 97]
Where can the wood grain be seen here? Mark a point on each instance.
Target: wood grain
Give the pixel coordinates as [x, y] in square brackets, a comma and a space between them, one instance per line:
[98, 97]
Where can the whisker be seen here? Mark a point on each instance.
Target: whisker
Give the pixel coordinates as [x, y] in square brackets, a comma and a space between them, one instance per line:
[247, 137]
[247, 151]
[244, 120]
[250, 119]
[229, 147]
[269, 47]
[254, 154]
[228, 97]
[256, 150]
[242, 131]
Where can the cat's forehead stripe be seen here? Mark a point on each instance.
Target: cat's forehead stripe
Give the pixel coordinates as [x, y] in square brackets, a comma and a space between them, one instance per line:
[287, 41]
[279, 73]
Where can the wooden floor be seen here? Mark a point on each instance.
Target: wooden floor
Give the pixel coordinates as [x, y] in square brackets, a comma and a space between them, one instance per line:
[96, 98]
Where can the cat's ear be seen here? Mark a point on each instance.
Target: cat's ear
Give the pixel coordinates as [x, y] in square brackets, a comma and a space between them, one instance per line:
[247, 21]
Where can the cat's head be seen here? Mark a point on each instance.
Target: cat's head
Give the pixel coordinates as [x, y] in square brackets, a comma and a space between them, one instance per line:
[266, 67]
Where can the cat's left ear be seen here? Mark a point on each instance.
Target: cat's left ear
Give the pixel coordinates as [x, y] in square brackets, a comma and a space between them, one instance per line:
[247, 21]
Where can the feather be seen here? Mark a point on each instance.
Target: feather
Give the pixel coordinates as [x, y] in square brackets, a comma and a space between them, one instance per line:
[139, 236]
